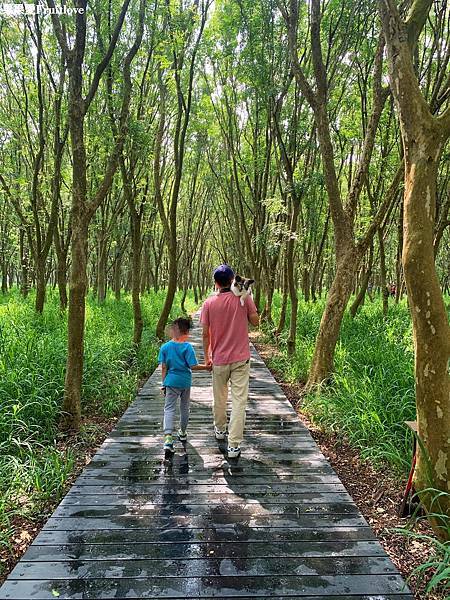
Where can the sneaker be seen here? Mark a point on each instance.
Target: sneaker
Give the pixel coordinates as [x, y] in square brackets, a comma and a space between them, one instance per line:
[234, 452]
[182, 435]
[168, 443]
[220, 435]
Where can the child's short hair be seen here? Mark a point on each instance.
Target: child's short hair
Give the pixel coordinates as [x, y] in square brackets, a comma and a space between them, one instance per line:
[184, 324]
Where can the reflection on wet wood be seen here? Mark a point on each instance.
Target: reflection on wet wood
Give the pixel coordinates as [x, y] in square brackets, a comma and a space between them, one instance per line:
[277, 523]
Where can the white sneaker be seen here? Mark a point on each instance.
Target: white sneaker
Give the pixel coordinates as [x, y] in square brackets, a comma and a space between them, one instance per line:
[234, 452]
[220, 435]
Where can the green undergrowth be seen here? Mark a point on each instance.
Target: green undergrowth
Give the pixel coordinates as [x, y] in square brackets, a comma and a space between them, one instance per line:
[33, 465]
[372, 391]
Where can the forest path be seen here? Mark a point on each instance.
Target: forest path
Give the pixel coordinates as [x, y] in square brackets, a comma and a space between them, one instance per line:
[279, 525]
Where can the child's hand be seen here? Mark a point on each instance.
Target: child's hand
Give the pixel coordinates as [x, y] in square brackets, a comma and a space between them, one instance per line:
[163, 390]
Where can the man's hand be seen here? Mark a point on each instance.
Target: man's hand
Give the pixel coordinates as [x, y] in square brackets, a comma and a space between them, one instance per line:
[254, 319]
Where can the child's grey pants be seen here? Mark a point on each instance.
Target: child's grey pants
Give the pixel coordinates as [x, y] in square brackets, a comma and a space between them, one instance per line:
[170, 407]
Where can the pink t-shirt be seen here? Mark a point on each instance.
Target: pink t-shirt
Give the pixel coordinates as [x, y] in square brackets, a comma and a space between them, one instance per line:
[228, 327]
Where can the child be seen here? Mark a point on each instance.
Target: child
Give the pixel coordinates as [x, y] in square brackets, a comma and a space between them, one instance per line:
[178, 360]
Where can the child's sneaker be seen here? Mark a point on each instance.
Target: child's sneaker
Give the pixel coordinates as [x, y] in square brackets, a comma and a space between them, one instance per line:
[220, 435]
[168, 443]
[182, 435]
[234, 452]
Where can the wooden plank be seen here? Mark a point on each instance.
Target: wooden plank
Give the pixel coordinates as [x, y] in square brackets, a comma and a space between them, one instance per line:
[206, 586]
[211, 519]
[139, 550]
[199, 567]
[227, 534]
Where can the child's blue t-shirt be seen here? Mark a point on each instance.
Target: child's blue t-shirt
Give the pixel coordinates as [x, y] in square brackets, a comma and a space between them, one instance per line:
[178, 357]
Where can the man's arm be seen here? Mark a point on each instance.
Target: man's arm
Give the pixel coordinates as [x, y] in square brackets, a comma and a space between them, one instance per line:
[206, 342]
[254, 319]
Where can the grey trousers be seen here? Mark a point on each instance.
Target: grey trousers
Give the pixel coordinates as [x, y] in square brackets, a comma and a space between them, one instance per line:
[170, 407]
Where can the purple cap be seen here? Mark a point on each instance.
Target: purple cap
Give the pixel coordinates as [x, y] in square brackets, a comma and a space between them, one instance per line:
[223, 273]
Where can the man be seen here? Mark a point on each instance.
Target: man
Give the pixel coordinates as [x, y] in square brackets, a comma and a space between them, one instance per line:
[226, 346]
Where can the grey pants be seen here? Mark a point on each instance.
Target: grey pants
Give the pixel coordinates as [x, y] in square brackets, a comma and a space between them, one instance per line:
[170, 407]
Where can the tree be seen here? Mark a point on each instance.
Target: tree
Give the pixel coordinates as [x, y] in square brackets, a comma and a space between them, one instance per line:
[348, 250]
[424, 136]
[82, 209]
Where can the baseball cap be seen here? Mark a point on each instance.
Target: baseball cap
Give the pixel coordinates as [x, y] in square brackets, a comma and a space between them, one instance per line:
[223, 274]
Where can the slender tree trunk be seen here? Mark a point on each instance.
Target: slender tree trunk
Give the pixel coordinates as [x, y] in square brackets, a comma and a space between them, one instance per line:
[61, 268]
[117, 275]
[170, 293]
[330, 324]
[4, 278]
[399, 267]
[71, 416]
[101, 269]
[305, 283]
[267, 313]
[383, 281]
[41, 282]
[291, 279]
[284, 301]
[359, 300]
[136, 241]
[61, 277]
[24, 284]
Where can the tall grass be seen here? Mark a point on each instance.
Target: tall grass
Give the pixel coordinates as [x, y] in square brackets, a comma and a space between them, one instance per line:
[32, 364]
[372, 392]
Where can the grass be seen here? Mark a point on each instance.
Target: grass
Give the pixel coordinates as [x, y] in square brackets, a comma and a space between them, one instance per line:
[33, 468]
[372, 392]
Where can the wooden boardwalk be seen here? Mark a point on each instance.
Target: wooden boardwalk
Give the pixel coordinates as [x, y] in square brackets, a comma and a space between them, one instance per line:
[280, 525]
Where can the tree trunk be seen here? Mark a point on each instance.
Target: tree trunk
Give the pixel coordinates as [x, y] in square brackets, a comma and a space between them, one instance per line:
[291, 279]
[424, 136]
[431, 329]
[305, 283]
[383, 281]
[170, 295]
[24, 284]
[101, 270]
[71, 416]
[61, 275]
[4, 278]
[135, 219]
[330, 324]
[359, 300]
[282, 318]
[399, 267]
[117, 275]
[41, 282]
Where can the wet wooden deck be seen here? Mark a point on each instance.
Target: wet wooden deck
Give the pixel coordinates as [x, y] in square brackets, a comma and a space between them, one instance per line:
[279, 525]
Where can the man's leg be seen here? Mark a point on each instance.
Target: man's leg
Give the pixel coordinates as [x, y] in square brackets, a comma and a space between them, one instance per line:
[239, 375]
[221, 375]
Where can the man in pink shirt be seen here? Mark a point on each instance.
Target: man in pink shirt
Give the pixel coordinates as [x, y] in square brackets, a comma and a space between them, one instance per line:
[226, 346]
